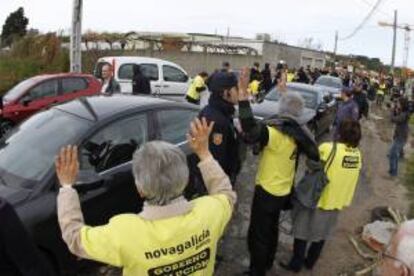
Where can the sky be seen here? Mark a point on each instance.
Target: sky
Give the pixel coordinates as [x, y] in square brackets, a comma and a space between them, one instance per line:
[289, 21]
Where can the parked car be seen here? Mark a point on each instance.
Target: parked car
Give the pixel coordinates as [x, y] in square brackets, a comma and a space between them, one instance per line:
[166, 78]
[36, 93]
[331, 84]
[320, 106]
[107, 131]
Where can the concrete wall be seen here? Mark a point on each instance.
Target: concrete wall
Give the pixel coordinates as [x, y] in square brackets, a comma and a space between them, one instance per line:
[194, 62]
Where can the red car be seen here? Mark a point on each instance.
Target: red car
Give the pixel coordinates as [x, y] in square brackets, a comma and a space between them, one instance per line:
[42, 91]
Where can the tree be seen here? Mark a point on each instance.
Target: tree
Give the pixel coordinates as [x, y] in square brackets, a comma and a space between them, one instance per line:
[14, 27]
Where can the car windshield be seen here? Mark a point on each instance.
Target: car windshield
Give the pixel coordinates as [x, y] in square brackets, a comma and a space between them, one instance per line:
[27, 154]
[330, 82]
[310, 97]
[19, 89]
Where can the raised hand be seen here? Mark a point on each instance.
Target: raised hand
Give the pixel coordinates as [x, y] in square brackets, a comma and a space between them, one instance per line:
[67, 165]
[281, 85]
[244, 80]
[198, 138]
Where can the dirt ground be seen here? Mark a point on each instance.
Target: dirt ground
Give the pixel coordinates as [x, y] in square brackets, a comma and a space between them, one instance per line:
[374, 189]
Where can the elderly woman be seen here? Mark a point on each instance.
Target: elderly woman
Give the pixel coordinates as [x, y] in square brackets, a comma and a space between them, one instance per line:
[312, 227]
[171, 235]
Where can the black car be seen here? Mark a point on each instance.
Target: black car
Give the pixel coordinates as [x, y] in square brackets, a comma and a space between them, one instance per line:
[107, 131]
[320, 106]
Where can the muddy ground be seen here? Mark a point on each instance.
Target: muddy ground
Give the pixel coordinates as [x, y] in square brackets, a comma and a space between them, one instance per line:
[374, 189]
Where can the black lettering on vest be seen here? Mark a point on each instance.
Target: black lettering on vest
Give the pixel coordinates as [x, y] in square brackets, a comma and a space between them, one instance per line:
[187, 266]
[350, 162]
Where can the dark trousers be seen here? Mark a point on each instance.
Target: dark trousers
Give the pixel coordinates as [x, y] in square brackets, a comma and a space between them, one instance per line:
[191, 100]
[263, 233]
[301, 257]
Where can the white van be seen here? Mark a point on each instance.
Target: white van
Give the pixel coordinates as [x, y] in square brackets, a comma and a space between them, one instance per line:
[166, 78]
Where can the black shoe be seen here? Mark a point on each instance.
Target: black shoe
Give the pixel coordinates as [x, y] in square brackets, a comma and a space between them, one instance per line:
[290, 268]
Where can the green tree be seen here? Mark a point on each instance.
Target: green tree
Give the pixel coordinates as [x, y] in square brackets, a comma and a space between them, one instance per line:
[14, 27]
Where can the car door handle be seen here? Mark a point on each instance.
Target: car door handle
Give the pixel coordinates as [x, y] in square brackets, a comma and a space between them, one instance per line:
[166, 86]
[158, 86]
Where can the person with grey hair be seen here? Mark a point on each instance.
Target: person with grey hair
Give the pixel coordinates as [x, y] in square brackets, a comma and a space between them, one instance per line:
[171, 235]
[280, 140]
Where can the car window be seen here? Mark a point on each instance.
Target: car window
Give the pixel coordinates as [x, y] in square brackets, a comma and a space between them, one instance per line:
[35, 144]
[330, 82]
[310, 97]
[45, 89]
[174, 124]
[126, 72]
[114, 144]
[70, 85]
[173, 74]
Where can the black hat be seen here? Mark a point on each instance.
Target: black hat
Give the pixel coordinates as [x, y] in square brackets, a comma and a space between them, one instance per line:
[222, 81]
[226, 64]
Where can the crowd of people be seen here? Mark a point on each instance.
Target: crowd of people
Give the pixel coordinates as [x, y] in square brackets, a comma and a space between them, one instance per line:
[178, 234]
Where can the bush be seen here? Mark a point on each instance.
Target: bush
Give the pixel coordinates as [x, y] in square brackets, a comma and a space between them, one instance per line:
[30, 56]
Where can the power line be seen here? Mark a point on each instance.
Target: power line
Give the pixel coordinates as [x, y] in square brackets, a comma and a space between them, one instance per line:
[364, 21]
[379, 10]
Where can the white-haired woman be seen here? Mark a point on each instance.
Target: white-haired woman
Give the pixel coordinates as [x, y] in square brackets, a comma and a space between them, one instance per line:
[170, 235]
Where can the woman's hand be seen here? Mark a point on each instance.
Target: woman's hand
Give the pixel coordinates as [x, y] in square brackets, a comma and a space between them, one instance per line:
[199, 136]
[67, 165]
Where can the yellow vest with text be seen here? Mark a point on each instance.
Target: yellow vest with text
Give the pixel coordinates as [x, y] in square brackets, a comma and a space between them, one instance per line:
[277, 164]
[198, 82]
[343, 176]
[181, 245]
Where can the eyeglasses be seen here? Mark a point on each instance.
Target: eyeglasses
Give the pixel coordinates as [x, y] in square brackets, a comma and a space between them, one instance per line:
[403, 264]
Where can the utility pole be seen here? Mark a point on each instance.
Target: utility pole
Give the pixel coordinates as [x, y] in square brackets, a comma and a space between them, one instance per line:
[394, 42]
[336, 43]
[76, 38]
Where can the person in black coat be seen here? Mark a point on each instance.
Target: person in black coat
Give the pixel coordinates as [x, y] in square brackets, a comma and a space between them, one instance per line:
[140, 83]
[18, 253]
[225, 138]
[267, 77]
[360, 97]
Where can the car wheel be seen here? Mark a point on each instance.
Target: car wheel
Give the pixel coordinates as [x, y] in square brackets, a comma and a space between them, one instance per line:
[5, 127]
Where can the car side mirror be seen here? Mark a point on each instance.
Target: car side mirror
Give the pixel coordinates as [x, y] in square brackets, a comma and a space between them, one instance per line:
[26, 100]
[186, 78]
[322, 108]
[327, 99]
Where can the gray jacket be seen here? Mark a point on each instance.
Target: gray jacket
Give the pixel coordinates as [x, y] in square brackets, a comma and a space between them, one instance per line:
[401, 121]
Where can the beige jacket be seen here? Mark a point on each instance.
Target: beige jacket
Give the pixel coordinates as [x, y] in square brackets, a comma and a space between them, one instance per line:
[71, 219]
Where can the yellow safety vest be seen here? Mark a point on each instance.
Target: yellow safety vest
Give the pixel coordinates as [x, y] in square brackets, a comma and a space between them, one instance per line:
[343, 176]
[277, 163]
[181, 245]
[198, 82]
[290, 77]
[254, 87]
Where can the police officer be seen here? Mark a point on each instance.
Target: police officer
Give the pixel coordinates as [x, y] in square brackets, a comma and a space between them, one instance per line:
[224, 139]
[197, 86]
[280, 140]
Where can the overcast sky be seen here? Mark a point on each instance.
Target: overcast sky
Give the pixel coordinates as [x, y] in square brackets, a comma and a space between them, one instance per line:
[289, 21]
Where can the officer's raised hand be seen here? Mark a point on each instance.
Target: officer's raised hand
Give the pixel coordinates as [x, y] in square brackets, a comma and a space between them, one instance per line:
[244, 84]
[67, 165]
[198, 138]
